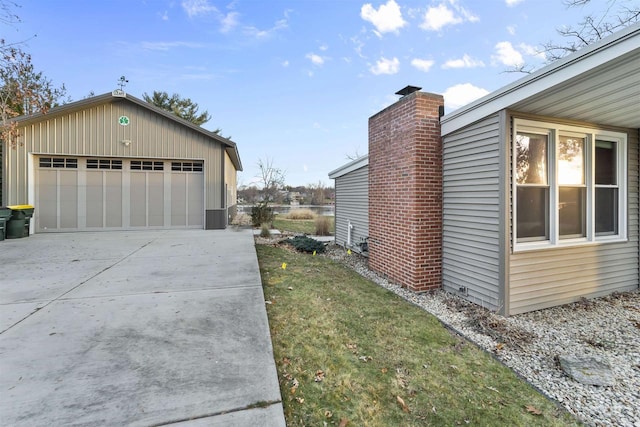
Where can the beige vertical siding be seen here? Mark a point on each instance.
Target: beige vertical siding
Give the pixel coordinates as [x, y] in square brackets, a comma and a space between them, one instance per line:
[231, 179]
[547, 278]
[471, 202]
[95, 131]
[352, 204]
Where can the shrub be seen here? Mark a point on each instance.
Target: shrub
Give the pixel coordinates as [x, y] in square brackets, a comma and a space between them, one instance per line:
[306, 244]
[261, 214]
[323, 225]
[264, 230]
[301, 214]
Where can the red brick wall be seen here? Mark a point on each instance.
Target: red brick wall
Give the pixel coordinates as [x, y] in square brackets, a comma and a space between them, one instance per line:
[405, 192]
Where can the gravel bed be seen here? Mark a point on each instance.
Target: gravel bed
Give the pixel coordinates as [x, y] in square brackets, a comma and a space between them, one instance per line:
[530, 343]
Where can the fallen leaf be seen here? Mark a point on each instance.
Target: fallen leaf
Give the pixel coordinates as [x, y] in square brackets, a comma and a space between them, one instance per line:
[492, 389]
[328, 414]
[499, 346]
[343, 422]
[403, 405]
[268, 302]
[454, 367]
[533, 410]
[284, 265]
[286, 360]
[365, 358]
[295, 385]
[319, 376]
[384, 370]
[300, 400]
[290, 288]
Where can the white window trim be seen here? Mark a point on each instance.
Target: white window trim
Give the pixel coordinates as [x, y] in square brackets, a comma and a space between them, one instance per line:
[554, 130]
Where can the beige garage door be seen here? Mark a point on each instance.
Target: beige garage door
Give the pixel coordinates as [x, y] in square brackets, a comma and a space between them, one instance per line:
[118, 194]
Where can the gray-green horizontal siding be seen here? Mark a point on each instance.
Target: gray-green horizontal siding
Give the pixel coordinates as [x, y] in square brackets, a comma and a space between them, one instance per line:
[95, 131]
[352, 205]
[470, 244]
[547, 278]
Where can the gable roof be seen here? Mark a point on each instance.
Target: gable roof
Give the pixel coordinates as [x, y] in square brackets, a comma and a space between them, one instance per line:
[600, 84]
[120, 96]
[356, 164]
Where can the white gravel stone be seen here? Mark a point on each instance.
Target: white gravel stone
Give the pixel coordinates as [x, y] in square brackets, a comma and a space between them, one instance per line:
[531, 343]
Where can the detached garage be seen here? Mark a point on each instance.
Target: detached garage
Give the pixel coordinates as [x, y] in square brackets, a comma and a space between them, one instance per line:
[115, 162]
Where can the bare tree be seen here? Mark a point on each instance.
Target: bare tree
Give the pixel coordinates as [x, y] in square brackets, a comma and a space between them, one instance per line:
[271, 178]
[617, 15]
[354, 156]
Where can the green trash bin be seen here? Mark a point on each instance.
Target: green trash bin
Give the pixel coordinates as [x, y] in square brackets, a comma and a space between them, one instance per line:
[18, 225]
[5, 214]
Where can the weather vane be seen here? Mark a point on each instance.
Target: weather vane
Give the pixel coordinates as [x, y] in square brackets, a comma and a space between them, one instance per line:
[122, 82]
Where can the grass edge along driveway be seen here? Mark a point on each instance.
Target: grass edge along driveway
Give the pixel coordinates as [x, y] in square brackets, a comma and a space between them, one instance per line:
[350, 353]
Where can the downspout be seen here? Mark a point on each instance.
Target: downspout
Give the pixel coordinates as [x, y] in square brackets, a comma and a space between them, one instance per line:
[349, 228]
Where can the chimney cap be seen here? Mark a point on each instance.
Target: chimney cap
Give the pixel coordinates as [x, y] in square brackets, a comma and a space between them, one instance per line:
[408, 90]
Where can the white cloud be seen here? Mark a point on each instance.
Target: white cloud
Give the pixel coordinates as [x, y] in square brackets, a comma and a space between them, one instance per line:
[462, 94]
[511, 3]
[532, 51]
[197, 7]
[315, 59]
[511, 29]
[506, 54]
[387, 19]
[285, 63]
[386, 66]
[262, 34]
[229, 22]
[165, 16]
[465, 62]
[437, 17]
[323, 47]
[422, 64]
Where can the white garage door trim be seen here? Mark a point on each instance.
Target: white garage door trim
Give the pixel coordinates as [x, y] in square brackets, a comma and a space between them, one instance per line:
[95, 193]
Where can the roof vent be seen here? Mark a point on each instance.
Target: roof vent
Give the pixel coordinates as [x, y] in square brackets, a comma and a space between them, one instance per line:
[408, 90]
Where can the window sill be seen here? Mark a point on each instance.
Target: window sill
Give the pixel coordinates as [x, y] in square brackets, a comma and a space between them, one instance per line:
[572, 243]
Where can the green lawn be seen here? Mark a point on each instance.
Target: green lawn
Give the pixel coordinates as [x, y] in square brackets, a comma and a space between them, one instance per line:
[349, 352]
[306, 226]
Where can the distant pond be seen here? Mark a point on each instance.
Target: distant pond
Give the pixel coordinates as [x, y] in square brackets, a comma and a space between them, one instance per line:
[325, 210]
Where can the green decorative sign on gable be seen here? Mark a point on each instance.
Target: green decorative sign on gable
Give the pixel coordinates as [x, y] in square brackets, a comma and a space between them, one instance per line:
[124, 120]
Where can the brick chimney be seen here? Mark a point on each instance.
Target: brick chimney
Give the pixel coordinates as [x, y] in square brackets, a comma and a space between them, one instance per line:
[405, 191]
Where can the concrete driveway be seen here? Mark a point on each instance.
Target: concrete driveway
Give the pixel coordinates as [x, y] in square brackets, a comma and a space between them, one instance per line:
[141, 328]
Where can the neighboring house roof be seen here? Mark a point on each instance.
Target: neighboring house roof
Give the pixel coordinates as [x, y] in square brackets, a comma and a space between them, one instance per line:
[118, 96]
[358, 163]
[599, 84]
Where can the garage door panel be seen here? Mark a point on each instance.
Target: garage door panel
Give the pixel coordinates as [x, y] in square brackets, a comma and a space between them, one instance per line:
[178, 199]
[113, 198]
[95, 199]
[47, 202]
[155, 182]
[138, 203]
[195, 203]
[68, 199]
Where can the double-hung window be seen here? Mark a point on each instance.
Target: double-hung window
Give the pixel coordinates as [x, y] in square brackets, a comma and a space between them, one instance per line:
[569, 185]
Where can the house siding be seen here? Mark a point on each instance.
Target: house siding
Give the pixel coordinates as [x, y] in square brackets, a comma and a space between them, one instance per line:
[546, 278]
[471, 204]
[352, 206]
[95, 131]
[230, 180]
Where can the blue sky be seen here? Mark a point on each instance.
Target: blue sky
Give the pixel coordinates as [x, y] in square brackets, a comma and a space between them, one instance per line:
[294, 81]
